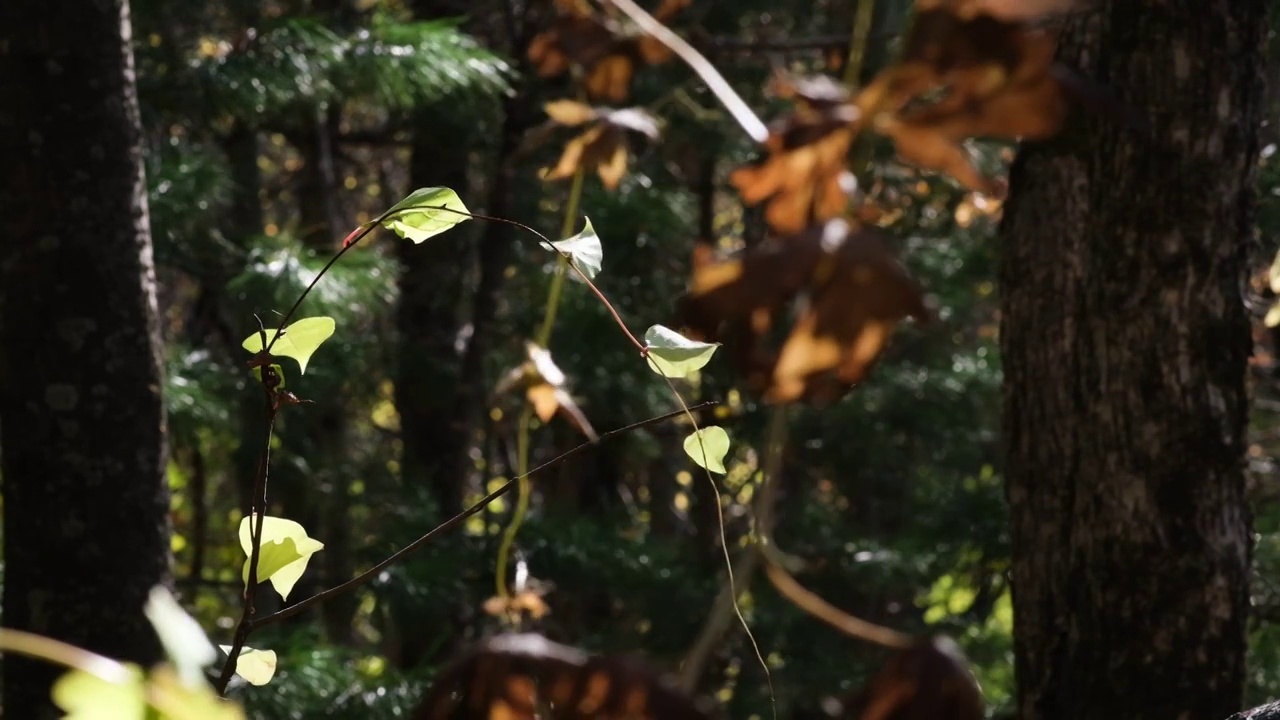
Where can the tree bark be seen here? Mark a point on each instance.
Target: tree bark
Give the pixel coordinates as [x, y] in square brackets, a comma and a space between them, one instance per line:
[1125, 342]
[86, 525]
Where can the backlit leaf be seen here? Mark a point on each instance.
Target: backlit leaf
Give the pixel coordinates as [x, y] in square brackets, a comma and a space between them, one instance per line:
[427, 212]
[1273, 316]
[284, 552]
[83, 696]
[675, 355]
[584, 250]
[183, 639]
[708, 447]
[299, 340]
[255, 666]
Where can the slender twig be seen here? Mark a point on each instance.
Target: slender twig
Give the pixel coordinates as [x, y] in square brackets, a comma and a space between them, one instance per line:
[453, 522]
[732, 102]
[257, 514]
[718, 619]
[566, 256]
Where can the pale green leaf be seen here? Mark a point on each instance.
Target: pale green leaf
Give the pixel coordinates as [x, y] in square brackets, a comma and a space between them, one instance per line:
[283, 554]
[299, 341]
[255, 666]
[708, 447]
[83, 696]
[183, 639]
[584, 251]
[1273, 316]
[173, 700]
[673, 354]
[427, 212]
[1274, 275]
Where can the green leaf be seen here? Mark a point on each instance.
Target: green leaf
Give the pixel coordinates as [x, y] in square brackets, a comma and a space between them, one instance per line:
[584, 251]
[255, 666]
[84, 696]
[714, 441]
[257, 373]
[675, 355]
[183, 639]
[283, 555]
[299, 340]
[420, 216]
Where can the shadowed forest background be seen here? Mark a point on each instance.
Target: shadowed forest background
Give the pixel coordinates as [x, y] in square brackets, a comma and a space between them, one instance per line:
[272, 129]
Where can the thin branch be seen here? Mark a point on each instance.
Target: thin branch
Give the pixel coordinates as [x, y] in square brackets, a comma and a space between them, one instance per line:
[733, 102]
[257, 511]
[453, 522]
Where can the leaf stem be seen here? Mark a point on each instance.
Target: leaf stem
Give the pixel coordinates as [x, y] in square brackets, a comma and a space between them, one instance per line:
[257, 512]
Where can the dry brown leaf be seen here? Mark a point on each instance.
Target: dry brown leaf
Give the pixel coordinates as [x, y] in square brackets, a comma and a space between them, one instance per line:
[605, 50]
[546, 389]
[569, 113]
[928, 681]
[805, 177]
[515, 676]
[602, 147]
[850, 291]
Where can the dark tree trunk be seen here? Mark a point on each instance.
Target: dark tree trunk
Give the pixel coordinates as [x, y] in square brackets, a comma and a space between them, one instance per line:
[1125, 342]
[86, 525]
[429, 319]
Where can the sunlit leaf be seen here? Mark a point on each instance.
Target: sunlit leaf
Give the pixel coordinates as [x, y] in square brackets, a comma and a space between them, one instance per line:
[1273, 316]
[177, 701]
[255, 666]
[284, 552]
[183, 639]
[257, 374]
[675, 355]
[427, 212]
[84, 696]
[584, 250]
[298, 341]
[708, 447]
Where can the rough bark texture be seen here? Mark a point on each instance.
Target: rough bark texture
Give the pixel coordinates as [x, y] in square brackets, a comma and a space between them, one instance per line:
[86, 532]
[1125, 344]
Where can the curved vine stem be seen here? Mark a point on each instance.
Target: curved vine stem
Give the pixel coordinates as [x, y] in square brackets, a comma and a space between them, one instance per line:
[774, 559]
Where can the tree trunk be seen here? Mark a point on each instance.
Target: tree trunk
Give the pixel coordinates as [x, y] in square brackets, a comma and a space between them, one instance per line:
[1125, 342]
[86, 525]
[429, 320]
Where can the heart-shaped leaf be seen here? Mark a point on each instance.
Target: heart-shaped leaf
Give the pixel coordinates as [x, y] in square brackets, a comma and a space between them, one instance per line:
[283, 555]
[427, 212]
[675, 355]
[299, 340]
[584, 250]
[255, 666]
[708, 447]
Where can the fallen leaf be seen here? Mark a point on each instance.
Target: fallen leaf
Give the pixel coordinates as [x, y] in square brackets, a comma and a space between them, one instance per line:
[930, 680]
